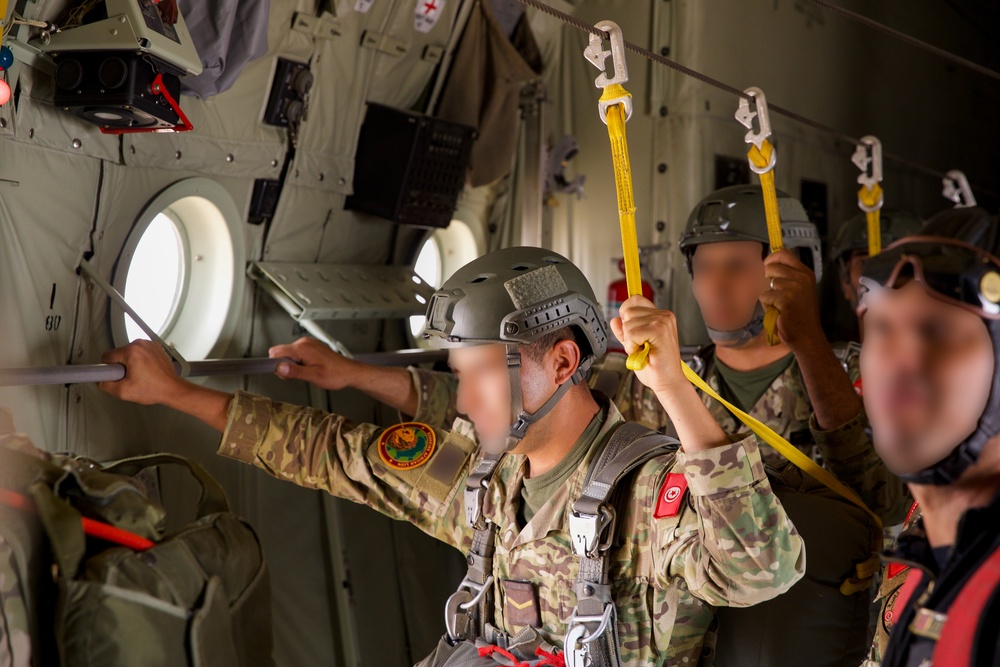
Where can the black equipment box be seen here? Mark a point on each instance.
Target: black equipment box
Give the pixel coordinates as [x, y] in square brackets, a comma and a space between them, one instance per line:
[410, 168]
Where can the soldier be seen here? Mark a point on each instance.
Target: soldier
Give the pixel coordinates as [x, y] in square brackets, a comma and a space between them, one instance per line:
[849, 252]
[725, 244]
[697, 527]
[932, 334]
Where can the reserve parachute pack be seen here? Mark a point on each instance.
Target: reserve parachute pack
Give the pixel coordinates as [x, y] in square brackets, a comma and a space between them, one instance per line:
[89, 575]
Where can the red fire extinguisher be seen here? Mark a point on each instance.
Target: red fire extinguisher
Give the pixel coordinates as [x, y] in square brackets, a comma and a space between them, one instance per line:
[618, 293]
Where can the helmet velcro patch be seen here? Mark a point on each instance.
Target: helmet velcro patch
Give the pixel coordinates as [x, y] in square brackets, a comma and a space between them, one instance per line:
[535, 287]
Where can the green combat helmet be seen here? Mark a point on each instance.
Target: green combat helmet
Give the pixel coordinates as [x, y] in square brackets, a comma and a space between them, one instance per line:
[516, 296]
[853, 234]
[736, 213]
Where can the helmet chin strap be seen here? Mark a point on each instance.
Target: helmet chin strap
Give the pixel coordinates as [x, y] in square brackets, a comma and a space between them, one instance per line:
[742, 336]
[965, 455]
[523, 420]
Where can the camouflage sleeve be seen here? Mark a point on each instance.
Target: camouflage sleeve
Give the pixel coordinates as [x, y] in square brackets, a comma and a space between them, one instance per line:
[319, 450]
[437, 394]
[849, 454]
[734, 545]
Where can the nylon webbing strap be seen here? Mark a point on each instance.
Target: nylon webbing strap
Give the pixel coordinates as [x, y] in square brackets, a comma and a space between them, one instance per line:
[785, 448]
[615, 108]
[752, 114]
[592, 635]
[636, 445]
[469, 609]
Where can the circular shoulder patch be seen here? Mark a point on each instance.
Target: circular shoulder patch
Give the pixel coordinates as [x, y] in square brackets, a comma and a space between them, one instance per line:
[406, 446]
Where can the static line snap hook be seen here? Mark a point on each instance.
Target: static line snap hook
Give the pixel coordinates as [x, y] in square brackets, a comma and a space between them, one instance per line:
[614, 92]
[752, 114]
[957, 189]
[598, 56]
[868, 158]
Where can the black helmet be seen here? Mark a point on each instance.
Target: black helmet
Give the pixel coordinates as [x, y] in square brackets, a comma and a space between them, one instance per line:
[955, 258]
[516, 296]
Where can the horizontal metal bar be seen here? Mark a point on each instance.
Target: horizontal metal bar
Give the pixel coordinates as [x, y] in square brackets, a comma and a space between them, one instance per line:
[84, 373]
[81, 373]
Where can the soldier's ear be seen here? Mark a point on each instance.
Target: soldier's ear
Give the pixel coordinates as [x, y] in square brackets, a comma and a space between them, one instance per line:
[564, 359]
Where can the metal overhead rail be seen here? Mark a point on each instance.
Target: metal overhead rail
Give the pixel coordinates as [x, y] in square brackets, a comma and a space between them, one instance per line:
[704, 78]
[85, 373]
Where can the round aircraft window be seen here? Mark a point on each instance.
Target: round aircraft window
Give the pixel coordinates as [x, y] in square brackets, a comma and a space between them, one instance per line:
[156, 277]
[443, 253]
[182, 269]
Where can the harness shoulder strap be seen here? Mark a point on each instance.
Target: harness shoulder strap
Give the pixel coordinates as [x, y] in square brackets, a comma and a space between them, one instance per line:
[957, 645]
[592, 633]
[470, 608]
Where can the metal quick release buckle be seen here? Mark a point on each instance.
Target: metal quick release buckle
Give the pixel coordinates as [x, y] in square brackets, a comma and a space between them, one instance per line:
[468, 595]
[576, 645]
[592, 533]
[474, 505]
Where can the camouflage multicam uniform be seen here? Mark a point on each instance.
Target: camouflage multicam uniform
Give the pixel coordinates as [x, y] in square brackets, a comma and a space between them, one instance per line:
[730, 544]
[785, 406]
[893, 577]
[847, 450]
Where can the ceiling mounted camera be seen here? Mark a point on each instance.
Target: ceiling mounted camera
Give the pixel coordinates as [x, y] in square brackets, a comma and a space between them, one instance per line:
[119, 66]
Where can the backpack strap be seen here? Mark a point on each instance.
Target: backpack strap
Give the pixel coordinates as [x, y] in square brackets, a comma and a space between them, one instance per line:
[470, 608]
[592, 633]
[213, 498]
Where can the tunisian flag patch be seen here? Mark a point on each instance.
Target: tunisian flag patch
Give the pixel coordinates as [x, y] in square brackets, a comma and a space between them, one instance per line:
[671, 496]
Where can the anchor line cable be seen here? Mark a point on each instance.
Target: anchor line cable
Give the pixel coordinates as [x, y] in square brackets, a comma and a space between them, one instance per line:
[583, 26]
[912, 41]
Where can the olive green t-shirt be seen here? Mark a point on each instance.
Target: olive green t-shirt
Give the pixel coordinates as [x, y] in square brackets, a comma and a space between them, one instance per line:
[744, 388]
[538, 490]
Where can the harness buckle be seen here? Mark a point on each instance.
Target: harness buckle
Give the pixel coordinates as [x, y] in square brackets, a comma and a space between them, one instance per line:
[460, 603]
[752, 114]
[576, 645]
[474, 505]
[592, 533]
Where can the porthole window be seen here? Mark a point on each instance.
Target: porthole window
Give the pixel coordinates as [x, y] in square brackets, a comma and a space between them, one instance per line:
[156, 278]
[443, 253]
[182, 270]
